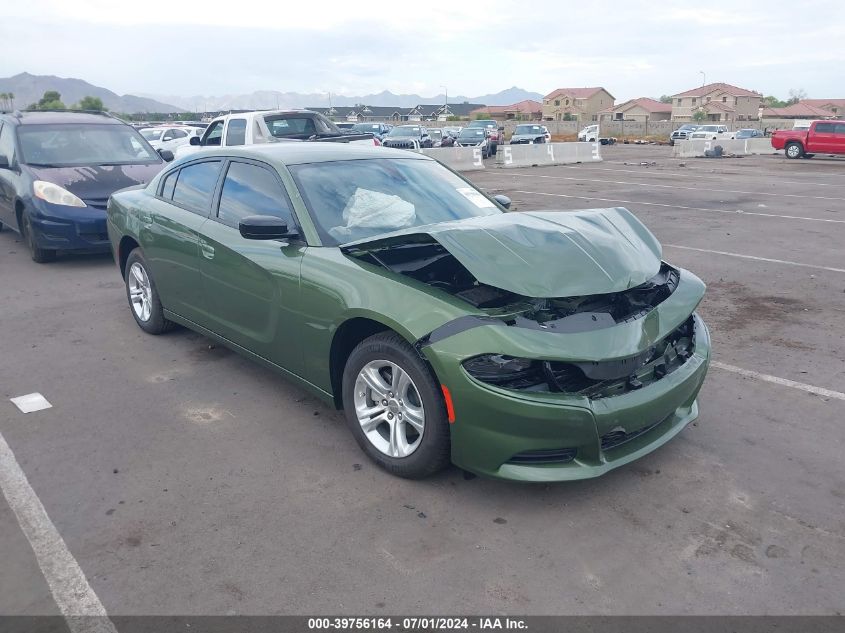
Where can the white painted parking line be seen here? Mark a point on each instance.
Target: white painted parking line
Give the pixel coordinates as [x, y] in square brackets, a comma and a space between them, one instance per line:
[755, 258]
[783, 382]
[658, 186]
[75, 598]
[677, 206]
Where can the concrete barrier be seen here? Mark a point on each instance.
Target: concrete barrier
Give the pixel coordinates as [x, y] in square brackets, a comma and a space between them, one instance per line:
[458, 158]
[742, 147]
[541, 154]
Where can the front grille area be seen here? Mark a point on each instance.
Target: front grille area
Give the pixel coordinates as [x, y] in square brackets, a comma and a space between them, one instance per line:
[619, 436]
[94, 237]
[400, 144]
[544, 456]
[97, 203]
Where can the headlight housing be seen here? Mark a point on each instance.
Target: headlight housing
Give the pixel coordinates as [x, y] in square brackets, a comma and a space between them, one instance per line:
[52, 193]
[505, 371]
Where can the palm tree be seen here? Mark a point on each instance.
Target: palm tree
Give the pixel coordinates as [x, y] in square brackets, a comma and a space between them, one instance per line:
[11, 96]
[4, 100]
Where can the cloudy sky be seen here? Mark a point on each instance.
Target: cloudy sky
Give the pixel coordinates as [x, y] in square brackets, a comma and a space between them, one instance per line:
[633, 48]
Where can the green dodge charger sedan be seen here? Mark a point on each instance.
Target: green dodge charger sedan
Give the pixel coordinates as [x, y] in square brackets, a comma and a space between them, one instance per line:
[532, 346]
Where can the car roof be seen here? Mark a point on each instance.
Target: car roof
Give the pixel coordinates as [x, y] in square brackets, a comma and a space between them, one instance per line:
[297, 153]
[47, 117]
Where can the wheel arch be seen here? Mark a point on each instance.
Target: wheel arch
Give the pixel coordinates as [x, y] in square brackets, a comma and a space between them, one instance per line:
[346, 337]
[127, 245]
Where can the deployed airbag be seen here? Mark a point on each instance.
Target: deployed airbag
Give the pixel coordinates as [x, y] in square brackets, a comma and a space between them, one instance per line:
[374, 210]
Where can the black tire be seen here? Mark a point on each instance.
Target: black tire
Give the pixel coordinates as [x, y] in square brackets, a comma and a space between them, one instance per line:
[433, 452]
[156, 323]
[39, 255]
[808, 155]
[793, 150]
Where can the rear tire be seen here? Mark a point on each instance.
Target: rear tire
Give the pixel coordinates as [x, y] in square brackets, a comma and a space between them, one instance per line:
[141, 292]
[793, 150]
[426, 448]
[39, 255]
[808, 155]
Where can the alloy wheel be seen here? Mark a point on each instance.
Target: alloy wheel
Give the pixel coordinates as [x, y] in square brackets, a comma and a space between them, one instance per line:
[140, 292]
[389, 408]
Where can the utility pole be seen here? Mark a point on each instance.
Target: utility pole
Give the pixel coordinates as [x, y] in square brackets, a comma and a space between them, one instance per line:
[446, 106]
[703, 77]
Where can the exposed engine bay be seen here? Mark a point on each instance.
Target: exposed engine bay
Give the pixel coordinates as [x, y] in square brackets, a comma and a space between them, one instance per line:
[431, 263]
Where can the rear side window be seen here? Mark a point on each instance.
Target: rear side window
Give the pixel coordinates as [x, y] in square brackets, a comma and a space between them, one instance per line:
[825, 128]
[168, 184]
[252, 190]
[236, 134]
[840, 128]
[195, 186]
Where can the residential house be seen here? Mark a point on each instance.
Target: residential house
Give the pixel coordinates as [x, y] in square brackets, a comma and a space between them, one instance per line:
[801, 110]
[836, 106]
[642, 110]
[578, 104]
[441, 112]
[719, 101]
[362, 113]
[528, 110]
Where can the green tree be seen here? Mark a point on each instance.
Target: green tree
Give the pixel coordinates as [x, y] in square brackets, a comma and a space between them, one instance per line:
[91, 103]
[4, 100]
[52, 100]
[773, 102]
[665, 99]
[699, 115]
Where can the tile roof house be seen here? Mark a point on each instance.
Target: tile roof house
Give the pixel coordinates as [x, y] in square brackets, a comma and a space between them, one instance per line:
[362, 113]
[719, 101]
[641, 109]
[528, 110]
[836, 106]
[801, 110]
[581, 104]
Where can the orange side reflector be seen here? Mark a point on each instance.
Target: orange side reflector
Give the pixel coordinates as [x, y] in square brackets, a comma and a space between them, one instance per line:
[450, 409]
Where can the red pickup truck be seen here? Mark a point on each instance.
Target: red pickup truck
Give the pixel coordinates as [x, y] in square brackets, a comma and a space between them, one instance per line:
[822, 137]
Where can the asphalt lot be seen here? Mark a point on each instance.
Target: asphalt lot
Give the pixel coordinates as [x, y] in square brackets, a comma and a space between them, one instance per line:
[187, 480]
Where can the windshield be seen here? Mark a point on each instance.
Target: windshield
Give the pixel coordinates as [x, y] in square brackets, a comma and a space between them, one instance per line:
[472, 132]
[357, 199]
[152, 134]
[436, 134]
[301, 126]
[482, 124]
[72, 144]
[366, 127]
[405, 131]
[528, 129]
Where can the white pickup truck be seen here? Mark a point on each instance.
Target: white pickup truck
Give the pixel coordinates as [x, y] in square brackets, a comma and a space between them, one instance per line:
[272, 126]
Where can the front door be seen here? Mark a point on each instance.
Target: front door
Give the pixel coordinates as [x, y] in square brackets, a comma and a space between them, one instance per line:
[251, 287]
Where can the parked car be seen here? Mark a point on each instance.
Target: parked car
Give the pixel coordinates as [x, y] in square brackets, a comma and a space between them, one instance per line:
[408, 137]
[709, 132]
[169, 137]
[530, 133]
[378, 130]
[271, 126]
[494, 133]
[590, 134]
[747, 133]
[57, 170]
[437, 136]
[682, 133]
[390, 287]
[475, 137]
[822, 137]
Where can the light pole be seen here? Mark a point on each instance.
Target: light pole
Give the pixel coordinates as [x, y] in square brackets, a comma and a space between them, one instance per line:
[703, 77]
[446, 106]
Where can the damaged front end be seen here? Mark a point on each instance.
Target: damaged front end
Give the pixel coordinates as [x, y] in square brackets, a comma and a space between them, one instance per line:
[580, 349]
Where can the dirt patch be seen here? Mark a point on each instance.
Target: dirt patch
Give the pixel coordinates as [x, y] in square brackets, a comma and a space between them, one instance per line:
[734, 306]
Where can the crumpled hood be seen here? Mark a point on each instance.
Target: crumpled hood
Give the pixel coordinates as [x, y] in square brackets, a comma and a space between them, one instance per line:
[542, 254]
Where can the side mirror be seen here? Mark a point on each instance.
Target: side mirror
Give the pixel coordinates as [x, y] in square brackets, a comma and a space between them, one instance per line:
[4, 162]
[195, 140]
[166, 154]
[503, 200]
[265, 227]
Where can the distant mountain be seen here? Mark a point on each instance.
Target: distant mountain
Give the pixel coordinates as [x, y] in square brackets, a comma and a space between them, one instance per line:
[263, 99]
[30, 88]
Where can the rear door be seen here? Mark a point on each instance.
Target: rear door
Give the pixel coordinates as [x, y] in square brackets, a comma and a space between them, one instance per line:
[252, 286]
[170, 234]
[838, 144]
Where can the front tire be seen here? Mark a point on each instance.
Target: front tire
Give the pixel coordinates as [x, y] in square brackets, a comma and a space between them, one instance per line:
[394, 407]
[793, 150]
[141, 292]
[39, 255]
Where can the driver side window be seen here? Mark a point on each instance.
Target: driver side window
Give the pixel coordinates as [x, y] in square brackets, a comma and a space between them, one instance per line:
[7, 142]
[214, 134]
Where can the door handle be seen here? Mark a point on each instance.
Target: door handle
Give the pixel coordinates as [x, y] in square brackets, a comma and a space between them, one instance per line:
[207, 249]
